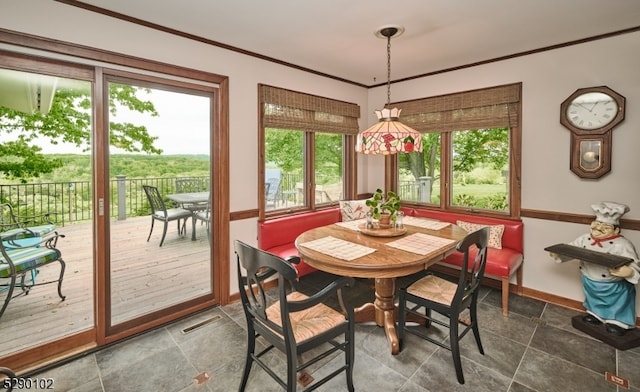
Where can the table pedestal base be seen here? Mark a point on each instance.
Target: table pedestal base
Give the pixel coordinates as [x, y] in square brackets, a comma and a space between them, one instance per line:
[382, 311]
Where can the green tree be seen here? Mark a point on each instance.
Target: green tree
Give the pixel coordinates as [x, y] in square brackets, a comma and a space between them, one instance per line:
[283, 148]
[68, 120]
[470, 149]
[478, 146]
[424, 163]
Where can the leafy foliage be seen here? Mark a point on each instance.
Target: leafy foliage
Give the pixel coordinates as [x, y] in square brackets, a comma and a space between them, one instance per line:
[284, 149]
[477, 146]
[68, 120]
[381, 203]
[77, 167]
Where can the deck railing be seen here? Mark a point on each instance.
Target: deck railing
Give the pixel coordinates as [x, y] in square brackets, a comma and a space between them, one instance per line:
[68, 202]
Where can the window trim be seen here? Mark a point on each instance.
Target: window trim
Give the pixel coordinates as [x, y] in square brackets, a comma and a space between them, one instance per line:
[513, 92]
[308, 103]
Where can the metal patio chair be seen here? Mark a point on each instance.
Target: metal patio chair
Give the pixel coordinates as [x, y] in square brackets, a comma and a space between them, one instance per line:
[160, 212]
[17, 261]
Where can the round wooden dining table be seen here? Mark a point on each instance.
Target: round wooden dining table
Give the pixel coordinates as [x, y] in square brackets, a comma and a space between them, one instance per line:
[384, 264]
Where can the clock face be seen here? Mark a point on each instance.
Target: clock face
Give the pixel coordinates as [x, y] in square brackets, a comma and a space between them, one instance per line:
[592, 111]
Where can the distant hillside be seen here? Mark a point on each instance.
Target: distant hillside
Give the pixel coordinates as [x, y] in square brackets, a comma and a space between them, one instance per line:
[78, 167]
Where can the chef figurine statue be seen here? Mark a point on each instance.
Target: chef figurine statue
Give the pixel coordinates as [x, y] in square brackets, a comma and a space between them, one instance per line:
[610, 294]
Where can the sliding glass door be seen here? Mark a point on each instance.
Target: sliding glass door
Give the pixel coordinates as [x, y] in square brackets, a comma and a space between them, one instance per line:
[79, 145]
[46, 178]
[159, 177]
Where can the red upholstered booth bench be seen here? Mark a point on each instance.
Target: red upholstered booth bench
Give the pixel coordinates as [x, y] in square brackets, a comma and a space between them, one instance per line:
[501, 263]
[278, 235]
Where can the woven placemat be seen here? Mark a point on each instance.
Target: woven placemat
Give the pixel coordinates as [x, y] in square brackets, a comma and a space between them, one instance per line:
[425, 223]
[420, 243]
[338, 248]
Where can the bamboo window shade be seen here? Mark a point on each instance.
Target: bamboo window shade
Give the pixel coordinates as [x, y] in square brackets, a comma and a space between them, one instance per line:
[493, 107]
[286, 109]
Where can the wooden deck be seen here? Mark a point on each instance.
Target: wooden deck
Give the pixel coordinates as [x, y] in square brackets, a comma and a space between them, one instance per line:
[144, 276]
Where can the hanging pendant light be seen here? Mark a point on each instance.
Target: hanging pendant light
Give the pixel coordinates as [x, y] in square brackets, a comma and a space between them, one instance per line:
[388, 135]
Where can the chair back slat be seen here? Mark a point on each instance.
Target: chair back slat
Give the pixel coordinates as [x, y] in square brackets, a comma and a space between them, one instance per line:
[155, 199]
[292, 322]
[260, 266]
[472, 270]
[186, 185]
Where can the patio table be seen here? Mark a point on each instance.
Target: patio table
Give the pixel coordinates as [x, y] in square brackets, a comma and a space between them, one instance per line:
[193, 201]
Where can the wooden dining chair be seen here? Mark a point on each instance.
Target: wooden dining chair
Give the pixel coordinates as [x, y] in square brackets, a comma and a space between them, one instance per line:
[292, 322]
[160, 212]
[447, 298]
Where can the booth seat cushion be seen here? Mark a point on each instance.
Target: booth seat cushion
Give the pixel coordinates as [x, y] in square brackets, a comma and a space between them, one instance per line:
[500, 262]
[503, 259]
[278, 235]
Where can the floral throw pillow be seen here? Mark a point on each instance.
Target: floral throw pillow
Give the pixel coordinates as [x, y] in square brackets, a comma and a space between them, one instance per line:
[353, 209]
[495, 232]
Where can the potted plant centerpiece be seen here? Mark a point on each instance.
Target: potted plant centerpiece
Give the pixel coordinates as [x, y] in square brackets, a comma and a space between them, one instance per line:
[384, 207]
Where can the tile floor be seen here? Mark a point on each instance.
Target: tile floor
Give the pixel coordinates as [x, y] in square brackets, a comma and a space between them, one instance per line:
[534, 349]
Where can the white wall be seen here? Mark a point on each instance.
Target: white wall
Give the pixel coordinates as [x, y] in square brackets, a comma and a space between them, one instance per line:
[548, 78]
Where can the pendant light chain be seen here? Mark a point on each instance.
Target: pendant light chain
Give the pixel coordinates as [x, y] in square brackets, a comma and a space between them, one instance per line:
[389, 71]
[389, 135]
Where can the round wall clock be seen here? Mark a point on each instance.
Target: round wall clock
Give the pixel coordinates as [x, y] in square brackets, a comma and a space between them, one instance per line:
[592, 110]
[590, 114]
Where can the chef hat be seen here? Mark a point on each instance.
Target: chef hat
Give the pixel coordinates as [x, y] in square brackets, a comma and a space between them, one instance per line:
[609, 212]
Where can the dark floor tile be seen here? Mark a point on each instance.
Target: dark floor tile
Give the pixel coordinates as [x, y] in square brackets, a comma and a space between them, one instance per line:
[515, 327]
[560, 317]
[81, 375]
[628, 366]
[94, 385]
[203, 323]
[544, 372]
[500, 354]
[575, 348]
[228, 377]
[224, 347]
[438, 373]
[371, 340]
[515, 387]
[410, 386]
[167, 370]
[135, 349]
[368, 375]
[559, 358]
[524, 306]
[236, 313]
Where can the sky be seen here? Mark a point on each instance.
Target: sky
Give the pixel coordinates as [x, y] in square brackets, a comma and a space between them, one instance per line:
[182, 124]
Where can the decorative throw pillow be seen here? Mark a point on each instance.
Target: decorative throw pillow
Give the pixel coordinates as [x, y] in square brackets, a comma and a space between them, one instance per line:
[495, 232]
[353, 209]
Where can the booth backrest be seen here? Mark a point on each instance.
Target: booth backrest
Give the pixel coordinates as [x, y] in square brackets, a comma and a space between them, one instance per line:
[512, 237]
[285, 230]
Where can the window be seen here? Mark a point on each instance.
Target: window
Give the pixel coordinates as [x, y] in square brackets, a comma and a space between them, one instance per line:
[471, 155]
[309, 157]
